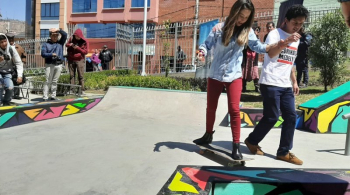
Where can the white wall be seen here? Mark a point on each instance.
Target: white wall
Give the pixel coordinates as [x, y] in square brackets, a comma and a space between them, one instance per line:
[50, 1]
[47, 24]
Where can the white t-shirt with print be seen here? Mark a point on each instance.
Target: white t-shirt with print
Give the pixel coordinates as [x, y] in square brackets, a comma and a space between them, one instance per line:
[276, 71]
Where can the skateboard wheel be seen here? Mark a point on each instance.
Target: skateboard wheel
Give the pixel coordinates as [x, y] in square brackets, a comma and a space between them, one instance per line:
[201, 152]
[243, 163]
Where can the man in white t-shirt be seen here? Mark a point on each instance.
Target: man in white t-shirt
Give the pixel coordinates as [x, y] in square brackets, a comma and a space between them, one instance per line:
[278, 86]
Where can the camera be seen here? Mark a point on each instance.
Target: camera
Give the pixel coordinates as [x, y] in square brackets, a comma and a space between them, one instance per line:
[5, 56]
[56, 59]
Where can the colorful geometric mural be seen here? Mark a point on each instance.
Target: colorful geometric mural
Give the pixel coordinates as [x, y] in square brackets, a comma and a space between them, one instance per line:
[323, 114]
[250, 117]
[18, 115]
[248, 181]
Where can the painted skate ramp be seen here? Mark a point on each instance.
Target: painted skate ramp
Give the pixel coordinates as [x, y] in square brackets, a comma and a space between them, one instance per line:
[323, 114]
[129, 143]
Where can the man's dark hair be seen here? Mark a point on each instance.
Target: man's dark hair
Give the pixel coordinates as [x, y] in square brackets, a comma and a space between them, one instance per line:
[268, 24]
[296, 11]
[2, 37]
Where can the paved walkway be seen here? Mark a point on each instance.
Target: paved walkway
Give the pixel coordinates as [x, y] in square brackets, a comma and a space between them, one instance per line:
[131, 143]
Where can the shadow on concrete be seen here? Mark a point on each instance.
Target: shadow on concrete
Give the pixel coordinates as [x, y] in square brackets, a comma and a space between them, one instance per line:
[216, 158]
[334, 151]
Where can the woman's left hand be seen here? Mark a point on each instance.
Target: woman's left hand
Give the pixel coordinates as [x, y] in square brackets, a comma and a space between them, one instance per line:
[218, 27]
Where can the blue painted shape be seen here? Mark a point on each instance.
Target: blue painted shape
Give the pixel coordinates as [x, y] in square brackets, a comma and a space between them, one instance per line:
[5, 117]
[204, 30]
[339, 125]
[247, 173]
[242, 188]
[300, 122]
[24, 105]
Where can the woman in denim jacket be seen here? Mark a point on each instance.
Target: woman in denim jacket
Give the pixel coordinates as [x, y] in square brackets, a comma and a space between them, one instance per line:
[228, 41]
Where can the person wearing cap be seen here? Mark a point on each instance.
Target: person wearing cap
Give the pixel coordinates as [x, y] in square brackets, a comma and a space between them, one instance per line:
[52, 51]
[22, 55]
[345, 7]
[105, 57]
[9, 59]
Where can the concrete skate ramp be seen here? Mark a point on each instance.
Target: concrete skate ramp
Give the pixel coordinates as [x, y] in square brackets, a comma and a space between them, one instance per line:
[163, 106]
[130, 144]
[118, 147]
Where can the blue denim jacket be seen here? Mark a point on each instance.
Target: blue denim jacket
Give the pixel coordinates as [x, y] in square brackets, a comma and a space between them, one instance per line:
[226, 64]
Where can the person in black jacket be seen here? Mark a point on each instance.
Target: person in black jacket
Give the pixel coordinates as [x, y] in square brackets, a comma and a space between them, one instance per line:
[301, 60]
[105, 57]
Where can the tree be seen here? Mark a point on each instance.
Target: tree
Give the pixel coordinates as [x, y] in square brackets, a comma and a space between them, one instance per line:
[166, 46]
[329, 46]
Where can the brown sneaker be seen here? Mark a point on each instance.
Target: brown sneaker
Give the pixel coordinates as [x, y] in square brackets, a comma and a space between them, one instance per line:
[254, 149]
[291, 158]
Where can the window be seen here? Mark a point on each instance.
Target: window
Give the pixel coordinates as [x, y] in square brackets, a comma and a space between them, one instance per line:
[113, 3]
[98, 30]
[50, 11]
[83, 6]
[44, 33]
[140, 3]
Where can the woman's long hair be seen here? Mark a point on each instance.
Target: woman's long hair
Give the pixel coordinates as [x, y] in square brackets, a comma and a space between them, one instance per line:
[230, 29]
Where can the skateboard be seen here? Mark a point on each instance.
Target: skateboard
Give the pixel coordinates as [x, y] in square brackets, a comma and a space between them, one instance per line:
[222, 152]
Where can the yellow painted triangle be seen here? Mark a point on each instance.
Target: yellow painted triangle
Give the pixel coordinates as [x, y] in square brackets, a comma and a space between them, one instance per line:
[70, 110]
[32, 113]
[178, 186]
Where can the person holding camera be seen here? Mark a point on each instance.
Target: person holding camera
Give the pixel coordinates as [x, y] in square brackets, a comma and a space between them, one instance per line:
[52, 51]
[78, 47]
[9, 59]
[22, 54]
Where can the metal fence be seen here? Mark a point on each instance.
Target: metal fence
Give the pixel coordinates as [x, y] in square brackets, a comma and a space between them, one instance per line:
[161, 45]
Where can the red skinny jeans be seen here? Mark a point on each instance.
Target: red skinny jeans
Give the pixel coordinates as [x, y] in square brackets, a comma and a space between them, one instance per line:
[234, 90]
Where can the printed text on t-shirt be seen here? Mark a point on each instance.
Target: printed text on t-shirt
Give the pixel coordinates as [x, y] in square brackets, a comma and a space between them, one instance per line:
[288, 55]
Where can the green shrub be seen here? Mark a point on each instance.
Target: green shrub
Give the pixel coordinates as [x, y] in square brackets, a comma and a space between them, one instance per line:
[147, 82]
[104, 79]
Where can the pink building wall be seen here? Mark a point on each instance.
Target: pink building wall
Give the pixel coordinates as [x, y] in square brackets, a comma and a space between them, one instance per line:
[117, 15]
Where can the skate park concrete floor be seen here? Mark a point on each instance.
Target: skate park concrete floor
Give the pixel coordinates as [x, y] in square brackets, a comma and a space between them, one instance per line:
[131, 143]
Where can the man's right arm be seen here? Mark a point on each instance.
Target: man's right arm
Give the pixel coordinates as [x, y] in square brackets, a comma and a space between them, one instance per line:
[282, 44]
[63, 37]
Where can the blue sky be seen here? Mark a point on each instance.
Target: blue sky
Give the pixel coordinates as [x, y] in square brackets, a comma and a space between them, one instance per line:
[13, 9]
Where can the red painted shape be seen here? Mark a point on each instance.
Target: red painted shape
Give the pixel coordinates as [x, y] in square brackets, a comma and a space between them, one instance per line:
[202, 177]
[52, 112]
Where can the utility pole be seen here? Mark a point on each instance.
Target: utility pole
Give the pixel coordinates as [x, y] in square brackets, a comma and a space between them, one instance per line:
[195, 34]
[222, 11]
[143, 73]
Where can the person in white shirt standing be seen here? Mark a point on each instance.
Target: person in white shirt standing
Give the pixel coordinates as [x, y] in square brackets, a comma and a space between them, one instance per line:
[278, 86]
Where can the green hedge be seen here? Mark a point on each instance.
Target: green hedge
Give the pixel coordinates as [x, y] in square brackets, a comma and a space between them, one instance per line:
[104, 79]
